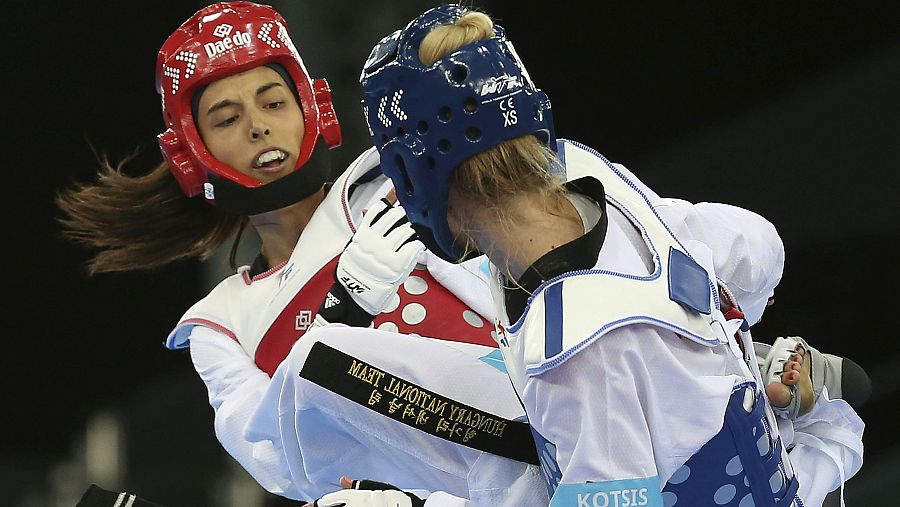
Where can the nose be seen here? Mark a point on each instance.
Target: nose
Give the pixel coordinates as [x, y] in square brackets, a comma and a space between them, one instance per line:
[258, 130]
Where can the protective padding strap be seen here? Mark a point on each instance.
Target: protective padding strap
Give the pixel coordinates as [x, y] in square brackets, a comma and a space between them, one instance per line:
[416, 406]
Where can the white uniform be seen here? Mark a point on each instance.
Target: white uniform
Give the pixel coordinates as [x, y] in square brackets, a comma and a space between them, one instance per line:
[628, 371]
[297, 433]
[372, 404]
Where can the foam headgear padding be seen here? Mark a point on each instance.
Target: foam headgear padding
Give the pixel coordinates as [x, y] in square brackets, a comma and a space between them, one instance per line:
[426, 120]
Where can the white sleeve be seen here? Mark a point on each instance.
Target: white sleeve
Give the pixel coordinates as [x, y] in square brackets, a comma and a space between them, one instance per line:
[616, 409]
[747, 251]
[443, 499]
[826, 447]
[235, 386]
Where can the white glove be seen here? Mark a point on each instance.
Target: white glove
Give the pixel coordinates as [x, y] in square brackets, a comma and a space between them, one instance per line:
[379, 257]
[367, 493]
[363, 498]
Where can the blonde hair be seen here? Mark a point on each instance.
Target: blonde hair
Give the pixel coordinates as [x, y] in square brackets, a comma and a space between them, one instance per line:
[445, 39]
[517, 166]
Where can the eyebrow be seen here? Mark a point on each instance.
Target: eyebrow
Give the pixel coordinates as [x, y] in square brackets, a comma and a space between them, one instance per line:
[227, 102]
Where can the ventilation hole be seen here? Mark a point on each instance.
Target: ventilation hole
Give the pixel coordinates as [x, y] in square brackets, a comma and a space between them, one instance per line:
[384, 138]
[401, 167]
[444, 146]
[431, 162]
[401, 132]
[459, 73]
[425, 212]
[422, 128]
[445, 114]
[470, 105]
[473, 134]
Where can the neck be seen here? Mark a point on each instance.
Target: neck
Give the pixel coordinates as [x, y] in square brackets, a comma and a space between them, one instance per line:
[536, 226]
[280, 229]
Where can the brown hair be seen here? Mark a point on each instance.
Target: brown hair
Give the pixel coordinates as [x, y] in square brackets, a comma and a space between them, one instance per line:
[514, 167]
[142, 222]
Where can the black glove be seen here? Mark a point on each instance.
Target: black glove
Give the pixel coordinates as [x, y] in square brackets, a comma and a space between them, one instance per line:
[95, 496]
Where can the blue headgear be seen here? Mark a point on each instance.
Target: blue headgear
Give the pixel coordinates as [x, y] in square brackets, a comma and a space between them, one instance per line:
[426, 120]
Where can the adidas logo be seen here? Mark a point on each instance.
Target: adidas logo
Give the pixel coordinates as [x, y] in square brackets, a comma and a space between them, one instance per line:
[330, 300]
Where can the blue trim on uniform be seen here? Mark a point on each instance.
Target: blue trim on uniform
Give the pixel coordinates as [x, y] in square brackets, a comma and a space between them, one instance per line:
[688, 282]
[642, 492]
[485, 268]
[639, 192]
[657, 272]
[553, 320]
[546, 451]
[626, 181]
[637, 319]
[180, 338]
[495, 359]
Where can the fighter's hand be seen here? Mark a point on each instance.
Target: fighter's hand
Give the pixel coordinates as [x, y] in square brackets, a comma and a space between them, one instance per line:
[379, 258]
[367, 493]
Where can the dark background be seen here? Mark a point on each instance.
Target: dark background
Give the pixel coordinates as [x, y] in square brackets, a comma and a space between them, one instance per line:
[790, 110]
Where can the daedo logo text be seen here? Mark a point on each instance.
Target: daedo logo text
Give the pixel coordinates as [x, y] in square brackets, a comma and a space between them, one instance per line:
[229, 41]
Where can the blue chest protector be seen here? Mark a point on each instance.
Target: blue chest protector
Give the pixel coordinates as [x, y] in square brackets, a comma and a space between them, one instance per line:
[741, 466]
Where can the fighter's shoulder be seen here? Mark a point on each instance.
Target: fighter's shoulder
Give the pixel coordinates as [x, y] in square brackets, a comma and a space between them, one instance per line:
[218, 309]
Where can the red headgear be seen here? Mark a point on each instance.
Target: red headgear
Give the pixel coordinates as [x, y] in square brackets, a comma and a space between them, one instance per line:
[216, 42]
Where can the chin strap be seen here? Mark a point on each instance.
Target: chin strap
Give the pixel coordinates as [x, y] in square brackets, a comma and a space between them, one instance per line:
[290, 189]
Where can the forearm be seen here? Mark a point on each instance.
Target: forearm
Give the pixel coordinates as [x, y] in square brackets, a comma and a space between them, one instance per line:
[235, 387]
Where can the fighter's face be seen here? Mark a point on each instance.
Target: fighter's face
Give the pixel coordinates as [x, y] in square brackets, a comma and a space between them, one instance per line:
[251, 122]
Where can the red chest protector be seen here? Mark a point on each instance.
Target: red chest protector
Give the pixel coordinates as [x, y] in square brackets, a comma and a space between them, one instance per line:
[422, 306]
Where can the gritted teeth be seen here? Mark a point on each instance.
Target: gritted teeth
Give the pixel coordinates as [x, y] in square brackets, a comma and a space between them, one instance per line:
[270, 156]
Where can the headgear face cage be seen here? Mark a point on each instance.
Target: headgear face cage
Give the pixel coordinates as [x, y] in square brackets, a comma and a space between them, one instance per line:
[221, 40]
[426, 120]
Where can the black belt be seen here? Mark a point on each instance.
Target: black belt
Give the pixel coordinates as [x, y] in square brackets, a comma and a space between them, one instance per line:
[417, 407]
